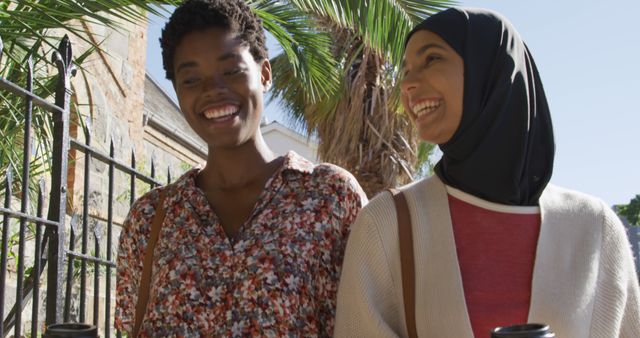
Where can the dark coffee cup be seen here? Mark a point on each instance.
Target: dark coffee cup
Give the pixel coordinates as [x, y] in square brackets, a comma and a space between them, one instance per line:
[523, 331]
[70, 330]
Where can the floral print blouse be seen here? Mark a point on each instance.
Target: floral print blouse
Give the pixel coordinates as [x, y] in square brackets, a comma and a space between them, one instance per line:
[277, 278]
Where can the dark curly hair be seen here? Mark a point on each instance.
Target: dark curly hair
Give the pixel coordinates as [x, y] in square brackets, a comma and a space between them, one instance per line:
[192, 15]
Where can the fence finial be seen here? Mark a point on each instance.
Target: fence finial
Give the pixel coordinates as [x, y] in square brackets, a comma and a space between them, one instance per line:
[41, 184]
[97, 233]
[63, 58]
[30, 63]
[74, 223]
[133, 157]
[9, 177]
[87, 129]
[153, 167]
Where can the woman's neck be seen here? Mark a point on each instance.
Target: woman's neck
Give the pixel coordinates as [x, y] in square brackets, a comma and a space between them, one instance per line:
[238, 167]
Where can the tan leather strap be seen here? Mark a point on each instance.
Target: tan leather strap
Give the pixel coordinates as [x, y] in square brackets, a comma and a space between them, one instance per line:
[147, 265]
[407, 266]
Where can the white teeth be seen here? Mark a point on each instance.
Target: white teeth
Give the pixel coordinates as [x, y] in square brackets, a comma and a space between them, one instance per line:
[214, 113]
[426, 107]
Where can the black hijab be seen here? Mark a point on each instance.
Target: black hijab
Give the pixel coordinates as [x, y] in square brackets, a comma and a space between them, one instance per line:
[503, 149]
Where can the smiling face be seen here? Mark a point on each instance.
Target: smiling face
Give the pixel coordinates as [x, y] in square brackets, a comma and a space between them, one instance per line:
[432, 86]
[220, 87]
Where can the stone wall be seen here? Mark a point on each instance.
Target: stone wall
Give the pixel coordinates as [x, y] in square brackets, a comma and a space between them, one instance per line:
[110, 98]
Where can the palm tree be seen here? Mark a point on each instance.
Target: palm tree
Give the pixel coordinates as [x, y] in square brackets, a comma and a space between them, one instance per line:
[351, 104]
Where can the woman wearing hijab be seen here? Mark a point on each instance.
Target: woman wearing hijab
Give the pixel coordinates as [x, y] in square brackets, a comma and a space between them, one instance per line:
[493, 243]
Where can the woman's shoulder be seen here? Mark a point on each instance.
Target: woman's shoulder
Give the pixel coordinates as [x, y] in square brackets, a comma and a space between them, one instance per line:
[578, 208]
[420, 190]
[329, 172]
[144, 207]
[334, 173]
[382, 206]
[325, 176]
[560, 199]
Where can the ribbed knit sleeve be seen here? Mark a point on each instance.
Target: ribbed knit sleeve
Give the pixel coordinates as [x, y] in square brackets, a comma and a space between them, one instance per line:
[367, 303]
[617, 303]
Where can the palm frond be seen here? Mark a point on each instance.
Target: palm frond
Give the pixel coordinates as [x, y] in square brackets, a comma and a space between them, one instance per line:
[382, 24]
[31, 29]
[307, 50]
[36, 19]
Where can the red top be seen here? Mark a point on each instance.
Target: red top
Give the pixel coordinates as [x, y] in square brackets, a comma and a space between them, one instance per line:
[496, 249]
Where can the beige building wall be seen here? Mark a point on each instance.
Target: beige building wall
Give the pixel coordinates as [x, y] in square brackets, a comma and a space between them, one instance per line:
[282, 139]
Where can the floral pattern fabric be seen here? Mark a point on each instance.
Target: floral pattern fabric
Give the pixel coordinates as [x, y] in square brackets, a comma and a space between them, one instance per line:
[277, 278]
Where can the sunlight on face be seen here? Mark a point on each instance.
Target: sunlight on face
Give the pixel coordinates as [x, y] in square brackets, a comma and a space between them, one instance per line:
[220, 87]
[432, 86]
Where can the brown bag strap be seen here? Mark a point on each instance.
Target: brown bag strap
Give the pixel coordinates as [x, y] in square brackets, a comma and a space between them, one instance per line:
[407, 266]
[147, 264]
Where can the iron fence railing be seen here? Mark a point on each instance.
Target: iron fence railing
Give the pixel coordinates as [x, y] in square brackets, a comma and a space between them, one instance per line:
[53, 244]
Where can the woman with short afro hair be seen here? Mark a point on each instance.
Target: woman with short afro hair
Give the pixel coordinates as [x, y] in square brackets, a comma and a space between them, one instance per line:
[250, 244]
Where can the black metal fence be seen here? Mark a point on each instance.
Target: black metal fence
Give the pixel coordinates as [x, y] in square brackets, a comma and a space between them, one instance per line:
[58, 264]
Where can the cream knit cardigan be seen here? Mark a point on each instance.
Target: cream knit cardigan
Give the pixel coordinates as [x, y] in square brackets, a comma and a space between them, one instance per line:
[584, 282]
